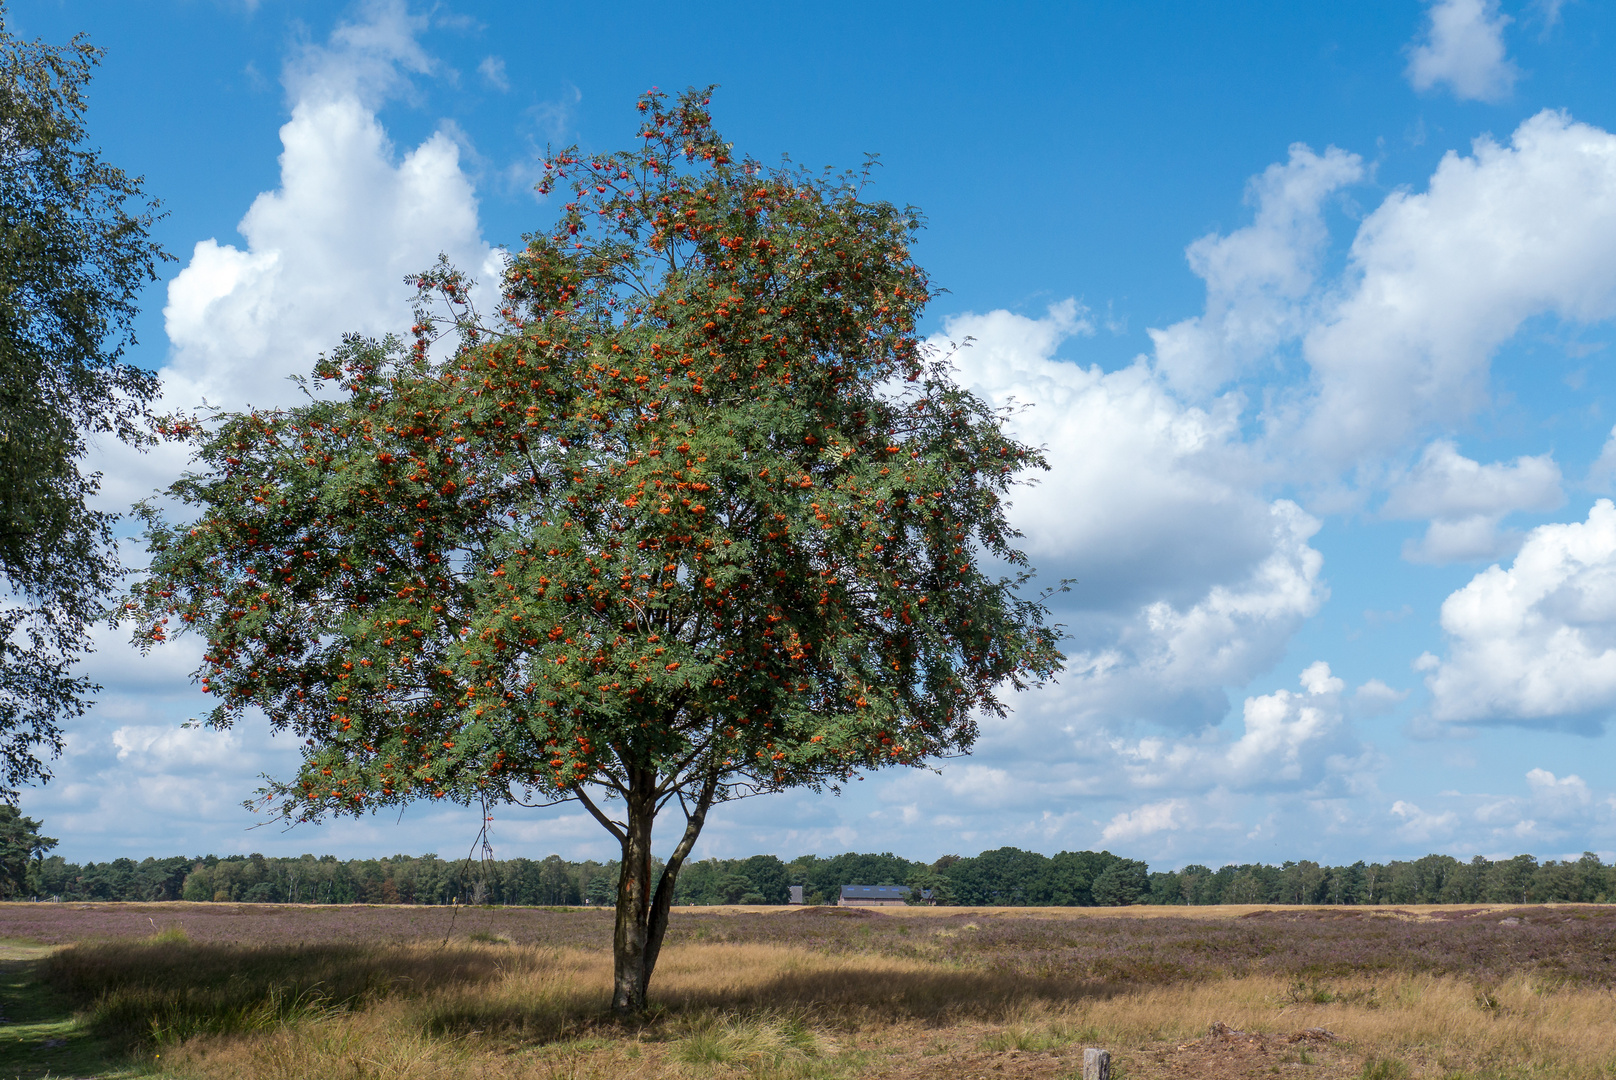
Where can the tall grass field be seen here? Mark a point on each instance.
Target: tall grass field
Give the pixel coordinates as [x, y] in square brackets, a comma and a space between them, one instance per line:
[354, 993]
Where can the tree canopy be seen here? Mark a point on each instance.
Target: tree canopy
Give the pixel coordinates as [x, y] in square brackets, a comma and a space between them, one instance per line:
[74, 256]
[694, 516]
[21, 850]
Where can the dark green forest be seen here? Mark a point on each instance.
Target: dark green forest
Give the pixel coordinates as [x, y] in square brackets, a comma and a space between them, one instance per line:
[1006, 876]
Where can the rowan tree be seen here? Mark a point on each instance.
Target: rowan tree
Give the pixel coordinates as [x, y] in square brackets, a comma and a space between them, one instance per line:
[694, 516]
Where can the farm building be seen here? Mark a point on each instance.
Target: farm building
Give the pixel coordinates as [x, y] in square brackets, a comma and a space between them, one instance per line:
[873, 896]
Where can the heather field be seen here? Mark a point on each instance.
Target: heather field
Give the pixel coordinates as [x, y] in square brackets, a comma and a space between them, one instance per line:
[226, 991]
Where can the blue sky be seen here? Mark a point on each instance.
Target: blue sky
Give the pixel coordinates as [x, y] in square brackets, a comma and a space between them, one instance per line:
[1312, 304]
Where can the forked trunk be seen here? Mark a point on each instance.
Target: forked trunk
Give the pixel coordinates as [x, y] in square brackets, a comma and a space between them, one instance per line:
[642, 915]
[630, 973]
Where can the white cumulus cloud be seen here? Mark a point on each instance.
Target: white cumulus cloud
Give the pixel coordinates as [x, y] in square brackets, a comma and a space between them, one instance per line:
[1463, 49]
[168, 747]
[1189, 580]
[1151, 818]
[1535, 644]
[1438, 280]
[1261, 279]
[1401, 340]
[1283, 729]
[1419, 827]
[1465, 501]
[326, 253]
[1553, 808]
[1171, 664]
[1563, 794]
[1290, 741]
[369, 59]
[1193, 577]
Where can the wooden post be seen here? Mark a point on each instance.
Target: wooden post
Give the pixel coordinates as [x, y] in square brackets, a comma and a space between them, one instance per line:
[1096, 1064]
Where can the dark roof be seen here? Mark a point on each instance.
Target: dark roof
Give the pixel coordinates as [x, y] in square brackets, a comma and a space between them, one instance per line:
[875, 892]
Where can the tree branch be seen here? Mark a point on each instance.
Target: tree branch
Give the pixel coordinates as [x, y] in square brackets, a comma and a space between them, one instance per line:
[610, 825]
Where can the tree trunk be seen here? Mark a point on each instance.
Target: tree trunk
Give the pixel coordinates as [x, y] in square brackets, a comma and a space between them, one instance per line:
[642, 918]
[630, 974]
[663, 901]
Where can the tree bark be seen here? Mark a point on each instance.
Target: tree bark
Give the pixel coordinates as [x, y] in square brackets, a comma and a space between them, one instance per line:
[663, 901]
[629, 976]
[642, 918]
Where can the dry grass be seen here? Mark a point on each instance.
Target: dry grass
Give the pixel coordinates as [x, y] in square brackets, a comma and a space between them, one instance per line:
[773, 1012]
[1210, 912]
[1435, 1027]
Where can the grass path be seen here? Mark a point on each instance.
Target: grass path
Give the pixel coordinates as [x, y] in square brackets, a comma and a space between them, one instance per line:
[40, 1039]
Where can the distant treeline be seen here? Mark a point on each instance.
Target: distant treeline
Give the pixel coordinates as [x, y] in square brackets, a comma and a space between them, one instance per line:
[1007, 876]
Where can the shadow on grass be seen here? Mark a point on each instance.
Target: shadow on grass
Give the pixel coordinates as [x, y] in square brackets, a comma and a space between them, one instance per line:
[165, 990]
[834, 999]
[159, 992]
[941, 995]
[41, 1036]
